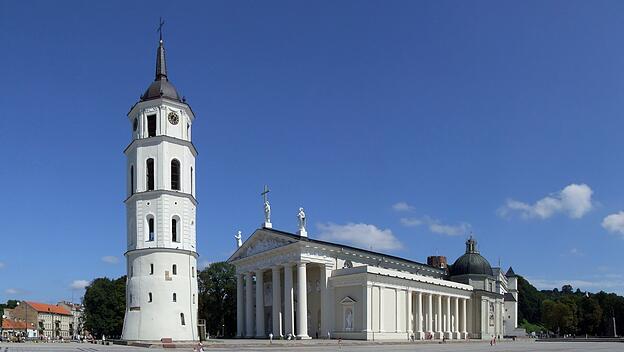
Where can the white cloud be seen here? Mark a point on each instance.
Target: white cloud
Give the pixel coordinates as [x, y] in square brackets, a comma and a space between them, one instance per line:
[2, 265]
[575, 252]
[402, 206]
[110, 259]
[575, 200]
[204, 264]
[365, 236]
[411, 222]
[436, 226]
[614, 223]
[13, 291]
[79, 284]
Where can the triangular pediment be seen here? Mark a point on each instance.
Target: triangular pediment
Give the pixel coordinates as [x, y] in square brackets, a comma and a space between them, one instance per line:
[262, 240]
[347, 300]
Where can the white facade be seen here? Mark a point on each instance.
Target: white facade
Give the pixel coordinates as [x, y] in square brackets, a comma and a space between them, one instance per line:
[161, 293]
[352, 293]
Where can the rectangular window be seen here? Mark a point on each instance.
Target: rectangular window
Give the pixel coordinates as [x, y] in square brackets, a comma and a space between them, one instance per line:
[151, 125]
[193, 298]
[175, 298]
[149, 297]
[182, 319]
[193, 271]
[151, 269]
[174, 269]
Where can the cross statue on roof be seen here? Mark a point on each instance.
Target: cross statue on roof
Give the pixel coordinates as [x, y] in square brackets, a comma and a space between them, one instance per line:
[161, 23]
[267, 206]
[265, 193]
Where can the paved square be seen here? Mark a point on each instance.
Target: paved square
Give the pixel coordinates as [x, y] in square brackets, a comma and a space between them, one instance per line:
[311, 346]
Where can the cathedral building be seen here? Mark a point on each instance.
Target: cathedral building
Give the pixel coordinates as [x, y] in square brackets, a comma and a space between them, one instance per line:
[294, 286]
[161, 290]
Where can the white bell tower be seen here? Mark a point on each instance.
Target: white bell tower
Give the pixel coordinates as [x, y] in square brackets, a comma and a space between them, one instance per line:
[161, 291]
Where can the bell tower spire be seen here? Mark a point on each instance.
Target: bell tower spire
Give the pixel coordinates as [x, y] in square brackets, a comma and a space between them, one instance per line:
[161, 65]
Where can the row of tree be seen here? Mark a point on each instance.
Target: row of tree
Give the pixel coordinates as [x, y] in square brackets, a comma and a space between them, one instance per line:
[568, 311]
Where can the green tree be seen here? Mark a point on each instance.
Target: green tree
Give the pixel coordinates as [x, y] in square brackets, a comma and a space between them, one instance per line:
[105, 305]
[590, 316]
[217, 298]
[558, 317]
[529, 302]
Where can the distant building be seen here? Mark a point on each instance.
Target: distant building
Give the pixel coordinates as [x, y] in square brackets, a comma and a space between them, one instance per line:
[77, 310]
[48, 320]
[11, 328]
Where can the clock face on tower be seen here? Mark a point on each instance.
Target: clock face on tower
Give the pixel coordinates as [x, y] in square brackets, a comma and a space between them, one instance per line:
[173, 118]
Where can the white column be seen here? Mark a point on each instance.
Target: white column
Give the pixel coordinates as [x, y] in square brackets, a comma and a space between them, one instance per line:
[439, 316]
[240, 307]
[259, 304]
[409, 316]
[463, 318]
[381, 316]
[430, 313]
[419, 315]
[456, 318]
[289, 321]
[326, 309]
[367, 300]
[249, 322]
[277, 302]
[448, 317]
[396, 310]
[302, 306]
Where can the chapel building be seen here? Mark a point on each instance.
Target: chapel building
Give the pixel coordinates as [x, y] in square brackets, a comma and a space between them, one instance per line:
[292, 285]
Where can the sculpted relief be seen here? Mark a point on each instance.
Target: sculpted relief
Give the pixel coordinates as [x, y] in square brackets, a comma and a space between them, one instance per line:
[263, 246]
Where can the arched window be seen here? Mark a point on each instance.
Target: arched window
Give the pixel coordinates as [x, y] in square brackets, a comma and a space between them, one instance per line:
[182, 319]
[150, 228]
[174, 230]
[175, 175]
[174, 269]
[135, 124]
[175, 299]
[131, 179]
[149, 172]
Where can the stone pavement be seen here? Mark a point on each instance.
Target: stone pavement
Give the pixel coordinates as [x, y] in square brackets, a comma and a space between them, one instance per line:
[330, 346]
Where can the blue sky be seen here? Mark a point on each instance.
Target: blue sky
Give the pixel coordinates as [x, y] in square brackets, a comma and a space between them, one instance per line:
[412, 123]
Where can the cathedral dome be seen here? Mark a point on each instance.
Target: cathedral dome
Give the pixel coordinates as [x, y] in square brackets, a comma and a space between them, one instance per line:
[471, 263]
[161, 87]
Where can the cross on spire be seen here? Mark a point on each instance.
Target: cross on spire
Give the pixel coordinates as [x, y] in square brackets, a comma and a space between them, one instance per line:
[265, 193]
[161, 23]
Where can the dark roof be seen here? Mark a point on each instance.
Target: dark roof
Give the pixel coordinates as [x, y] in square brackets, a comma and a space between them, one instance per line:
[471, 263]
[161, 87]
[510, 273]
[509, 297]
[307, 239]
